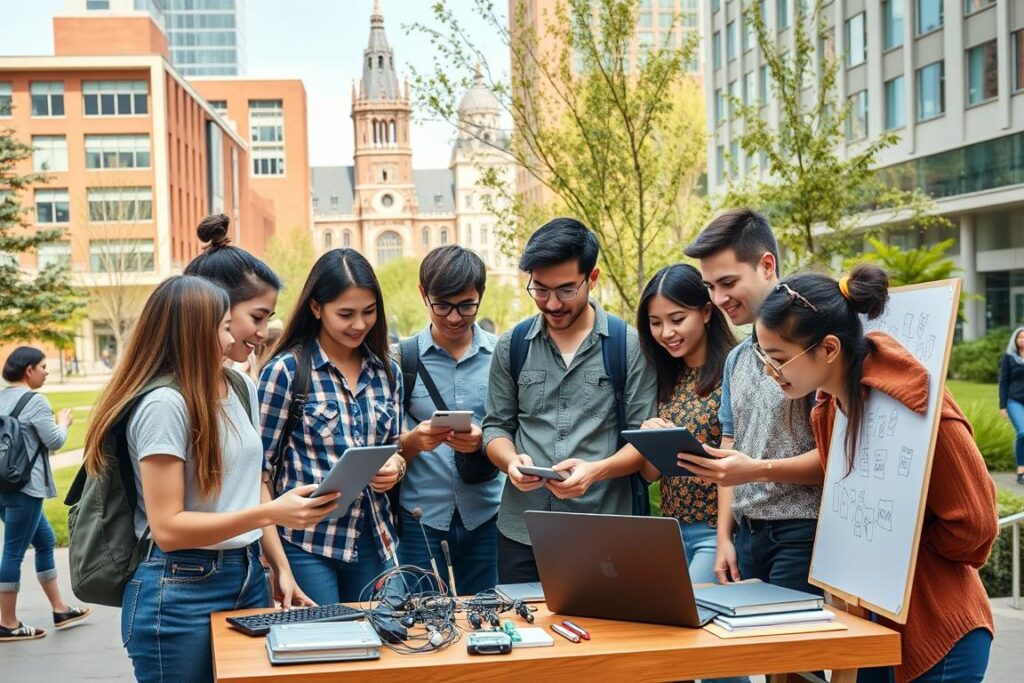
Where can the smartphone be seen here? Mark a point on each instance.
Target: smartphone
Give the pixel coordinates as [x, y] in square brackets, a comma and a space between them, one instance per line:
[544, 472]
[456, 420]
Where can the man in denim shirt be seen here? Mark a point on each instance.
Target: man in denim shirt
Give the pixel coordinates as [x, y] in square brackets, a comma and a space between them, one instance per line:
[456, 353]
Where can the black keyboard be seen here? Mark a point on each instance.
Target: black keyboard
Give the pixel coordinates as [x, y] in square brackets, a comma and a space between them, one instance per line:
[259, 624]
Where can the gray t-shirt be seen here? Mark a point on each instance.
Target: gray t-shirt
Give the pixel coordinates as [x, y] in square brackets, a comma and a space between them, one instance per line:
[38, 427]
[159, 426]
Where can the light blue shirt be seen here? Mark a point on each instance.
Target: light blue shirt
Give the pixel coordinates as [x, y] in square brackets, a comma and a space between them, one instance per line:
[433, 483]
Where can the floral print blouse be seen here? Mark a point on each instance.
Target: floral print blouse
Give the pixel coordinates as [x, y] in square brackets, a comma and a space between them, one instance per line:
[687, 498]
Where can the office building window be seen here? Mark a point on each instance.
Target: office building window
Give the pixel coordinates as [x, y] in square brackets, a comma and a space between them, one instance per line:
[895, 102]
[52, 206]
[720, 163]
[762, 89]
[5, 98]
[389, 247]
[328, 240]
[219, 106]
[121, 256]
[116, 151]
[719, 106]
[120, 204]
[782, 13]
[749, 35]
[857, 121]
[749, 88]
[425, 236]
[734, 96]
[716, 49]
[49, 153]
[346, 238]
[856, 41]
[730, 40]
[892, 23]
[53, 254]
[716, 5]
[929, 15]
[982, 73]
[972, 6]
[266, 121]
[1018, 60]
[827, 46]
[268, 160]
[443, 238]
[91, 5]
[115, 98]
[734, 156]
[47, 98]
[931, 91]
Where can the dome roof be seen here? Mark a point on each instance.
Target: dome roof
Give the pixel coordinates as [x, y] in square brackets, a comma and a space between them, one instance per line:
[479, 99]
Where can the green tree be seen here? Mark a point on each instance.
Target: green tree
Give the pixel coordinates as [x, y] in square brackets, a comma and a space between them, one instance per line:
[817, 199]
[398, 281]
[614, 131]
[291, 255]
[44, 306]
[912, 266]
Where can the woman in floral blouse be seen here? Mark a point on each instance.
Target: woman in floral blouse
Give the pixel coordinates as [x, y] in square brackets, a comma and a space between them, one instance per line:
[687, 339]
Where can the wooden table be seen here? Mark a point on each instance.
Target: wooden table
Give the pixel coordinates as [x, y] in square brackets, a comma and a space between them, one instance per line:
[617, 651]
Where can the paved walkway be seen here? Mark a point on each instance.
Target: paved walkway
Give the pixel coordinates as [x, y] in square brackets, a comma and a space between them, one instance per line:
[91, 651]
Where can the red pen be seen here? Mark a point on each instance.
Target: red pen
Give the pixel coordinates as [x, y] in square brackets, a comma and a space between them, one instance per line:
[578, 630]
[565, 633]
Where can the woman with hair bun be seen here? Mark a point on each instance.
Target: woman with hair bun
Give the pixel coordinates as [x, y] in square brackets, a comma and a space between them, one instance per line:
[810, 337]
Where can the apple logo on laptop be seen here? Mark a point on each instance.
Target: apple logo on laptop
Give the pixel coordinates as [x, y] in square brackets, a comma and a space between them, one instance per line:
[608, 568]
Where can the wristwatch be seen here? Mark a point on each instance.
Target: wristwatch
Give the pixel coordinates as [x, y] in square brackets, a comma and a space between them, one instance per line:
[402, 467]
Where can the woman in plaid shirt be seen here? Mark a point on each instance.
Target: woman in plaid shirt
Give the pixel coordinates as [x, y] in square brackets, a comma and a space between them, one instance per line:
[354, 399]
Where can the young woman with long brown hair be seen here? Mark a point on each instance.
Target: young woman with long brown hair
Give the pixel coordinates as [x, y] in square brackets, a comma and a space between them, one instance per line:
[197, 459]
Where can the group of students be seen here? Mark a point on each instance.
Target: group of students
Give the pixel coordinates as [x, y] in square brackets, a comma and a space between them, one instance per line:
[224, 476]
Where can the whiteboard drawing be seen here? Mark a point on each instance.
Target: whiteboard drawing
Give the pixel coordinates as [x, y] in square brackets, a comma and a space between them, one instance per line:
[858, 522]
[835, 497]
[922, 325]
[906, 457]
[885, 514]
[869, 524]
[878, 470]
[894, 418]
[863, 465]
[844, 505]
[908, 325]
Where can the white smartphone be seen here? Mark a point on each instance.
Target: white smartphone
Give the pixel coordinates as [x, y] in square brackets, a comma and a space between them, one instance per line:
[456, 420]
[544, 472]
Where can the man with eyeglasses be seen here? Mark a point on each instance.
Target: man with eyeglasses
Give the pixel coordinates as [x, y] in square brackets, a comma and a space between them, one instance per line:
[768, 468]
[561, 411]
[449, 478]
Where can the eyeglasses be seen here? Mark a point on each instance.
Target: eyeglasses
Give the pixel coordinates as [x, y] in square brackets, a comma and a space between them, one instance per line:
[772, 368]
[795, 296]
[467, 309]
[564, 294]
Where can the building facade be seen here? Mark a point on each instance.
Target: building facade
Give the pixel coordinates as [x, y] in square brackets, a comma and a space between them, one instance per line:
[946, 76]
[384, 207]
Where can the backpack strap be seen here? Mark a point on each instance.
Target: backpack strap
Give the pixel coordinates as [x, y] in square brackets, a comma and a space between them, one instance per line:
[613, 352]
[22, 402]
[237, 383]
[519, 348]
[299, 393]
[409, 355]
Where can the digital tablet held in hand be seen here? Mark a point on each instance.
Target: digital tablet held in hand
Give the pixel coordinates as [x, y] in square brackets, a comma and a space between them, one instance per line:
[544, 472]
[350, 475]
[456, 420]
[660, 446]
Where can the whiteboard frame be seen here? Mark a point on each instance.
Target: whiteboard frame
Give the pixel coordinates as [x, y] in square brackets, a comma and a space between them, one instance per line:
[854, 600]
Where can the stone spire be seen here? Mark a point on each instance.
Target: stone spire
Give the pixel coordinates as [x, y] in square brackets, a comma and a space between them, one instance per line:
[379, 79]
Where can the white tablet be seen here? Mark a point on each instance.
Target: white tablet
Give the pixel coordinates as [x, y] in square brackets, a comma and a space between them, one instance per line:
[456, 420]
[350, 475]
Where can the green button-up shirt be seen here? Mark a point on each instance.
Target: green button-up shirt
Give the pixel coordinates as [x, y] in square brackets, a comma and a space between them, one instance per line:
[558, 412]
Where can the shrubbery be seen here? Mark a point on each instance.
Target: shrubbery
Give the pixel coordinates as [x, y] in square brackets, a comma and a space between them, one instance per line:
[994, 435]
[978, 361]
[997, 574]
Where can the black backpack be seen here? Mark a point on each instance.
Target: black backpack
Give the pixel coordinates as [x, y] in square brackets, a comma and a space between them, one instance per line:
[15, 464]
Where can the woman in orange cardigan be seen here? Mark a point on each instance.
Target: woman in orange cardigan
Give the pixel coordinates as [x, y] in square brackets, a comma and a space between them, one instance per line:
[810, 337]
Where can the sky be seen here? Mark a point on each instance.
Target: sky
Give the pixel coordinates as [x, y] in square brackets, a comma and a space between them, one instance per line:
[318, 41]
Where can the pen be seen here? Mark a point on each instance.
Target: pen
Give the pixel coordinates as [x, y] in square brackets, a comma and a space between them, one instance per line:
[578, 630]
[565, 633]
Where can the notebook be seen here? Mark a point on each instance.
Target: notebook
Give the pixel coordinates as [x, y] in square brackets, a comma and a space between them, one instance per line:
[331, 641]
[755, 597]
[761, 620]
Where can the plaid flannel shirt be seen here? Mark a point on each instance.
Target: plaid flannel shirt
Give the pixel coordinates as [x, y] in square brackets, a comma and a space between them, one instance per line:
[334, 418]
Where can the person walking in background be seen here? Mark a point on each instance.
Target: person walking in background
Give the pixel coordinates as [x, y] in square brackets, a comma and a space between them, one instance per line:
[1011, 393]
[22, 510]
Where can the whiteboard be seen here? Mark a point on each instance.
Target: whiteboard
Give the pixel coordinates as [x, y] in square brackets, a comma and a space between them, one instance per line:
[869, 526]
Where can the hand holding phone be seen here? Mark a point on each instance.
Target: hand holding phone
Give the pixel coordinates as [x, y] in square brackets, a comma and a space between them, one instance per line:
[544, 472]
[456, 420]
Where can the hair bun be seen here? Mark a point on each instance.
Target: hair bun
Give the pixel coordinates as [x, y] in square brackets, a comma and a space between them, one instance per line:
[214, 230]
[869, 290]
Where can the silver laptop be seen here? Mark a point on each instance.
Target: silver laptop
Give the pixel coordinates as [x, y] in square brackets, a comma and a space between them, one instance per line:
[614, 567]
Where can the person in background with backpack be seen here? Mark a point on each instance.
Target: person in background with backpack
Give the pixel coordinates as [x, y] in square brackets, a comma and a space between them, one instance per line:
[23, 486]
[197, 459]
[334, 354]
[554, 399]
[445, 367]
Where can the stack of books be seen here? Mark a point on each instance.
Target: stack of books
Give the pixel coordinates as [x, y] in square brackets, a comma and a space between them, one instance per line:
[324, 641]
[757, 608]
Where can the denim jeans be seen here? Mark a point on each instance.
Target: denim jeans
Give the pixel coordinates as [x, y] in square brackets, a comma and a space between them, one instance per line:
[966, 662]
[326, 580]
[165, 611]
[777, 551]
[474, 553]
[24, 525]
[1015, 410]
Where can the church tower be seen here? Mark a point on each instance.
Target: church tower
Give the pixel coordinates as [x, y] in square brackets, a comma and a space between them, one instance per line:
[381, 114]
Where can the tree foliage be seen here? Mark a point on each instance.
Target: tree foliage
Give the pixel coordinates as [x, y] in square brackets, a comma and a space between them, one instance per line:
[615, 135]
[41, 306]
[818, 199]
[291, 255]
[911, 266]
[405, 310]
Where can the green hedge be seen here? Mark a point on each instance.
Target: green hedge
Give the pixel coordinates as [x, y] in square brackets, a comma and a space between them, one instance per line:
[979, 360]
[994, 435]
[997, 574]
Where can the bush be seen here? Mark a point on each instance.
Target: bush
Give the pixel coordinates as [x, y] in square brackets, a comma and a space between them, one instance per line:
[978, 361]
[997, 574]
[994, 435]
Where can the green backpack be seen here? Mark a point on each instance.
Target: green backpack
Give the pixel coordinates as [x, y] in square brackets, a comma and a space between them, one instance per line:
[103, 550]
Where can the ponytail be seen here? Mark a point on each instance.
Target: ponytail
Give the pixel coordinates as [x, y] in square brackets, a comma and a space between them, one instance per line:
[239, 273]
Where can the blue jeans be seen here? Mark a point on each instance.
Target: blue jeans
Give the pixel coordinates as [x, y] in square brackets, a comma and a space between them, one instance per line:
[777, 551]
[165, 611]
[474, 553]
[966, 662]
[326, 580]
[1015, 410]
[24, 525]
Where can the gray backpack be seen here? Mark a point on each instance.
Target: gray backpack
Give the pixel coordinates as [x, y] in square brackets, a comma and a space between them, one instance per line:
[103, 550]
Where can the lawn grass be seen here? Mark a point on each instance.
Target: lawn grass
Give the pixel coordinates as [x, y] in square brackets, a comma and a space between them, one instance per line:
[54, 508]
[986, 395]
[81, 403]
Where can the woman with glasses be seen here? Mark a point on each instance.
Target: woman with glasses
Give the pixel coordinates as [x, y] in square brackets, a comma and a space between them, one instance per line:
[810, 335]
